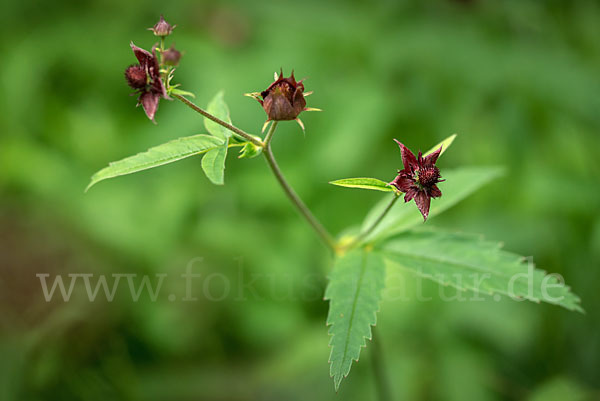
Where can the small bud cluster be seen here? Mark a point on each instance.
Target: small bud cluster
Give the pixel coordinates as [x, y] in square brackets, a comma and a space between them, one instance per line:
[151, 77]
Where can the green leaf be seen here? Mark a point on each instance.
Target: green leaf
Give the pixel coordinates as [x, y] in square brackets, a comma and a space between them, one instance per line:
[181, 92]
[157, 156]
[213, 164]
[459, 184]
[445, 144]
[218, 108]
[468, 262]
[354, 293]
[364, 183]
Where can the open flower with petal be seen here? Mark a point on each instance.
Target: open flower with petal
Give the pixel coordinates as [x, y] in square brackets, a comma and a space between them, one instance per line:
[418, 180]
[146, 80]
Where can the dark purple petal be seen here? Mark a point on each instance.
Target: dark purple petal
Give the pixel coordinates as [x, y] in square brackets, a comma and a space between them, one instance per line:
[423, 200]
[149, 101]
[159, 87]
[408, 158]
[432, 158]
[145, 58]
[402, 183]
[410, 194]
[420, 158]
[434, 191]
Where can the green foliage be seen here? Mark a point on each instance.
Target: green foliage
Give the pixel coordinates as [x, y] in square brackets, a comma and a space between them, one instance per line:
[354, 292]
[445, 144]
[459, 184]
[213, 164]
[468, 262]
[218, 108]
[169, 152]
[364, 183]
[215, 147]
[418, 79]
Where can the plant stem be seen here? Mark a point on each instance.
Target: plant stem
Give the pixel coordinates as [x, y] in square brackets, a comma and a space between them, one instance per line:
[381, 383]
[369, 230]
[230, 127]
[266, 145]
[304, 211]
[270, 133]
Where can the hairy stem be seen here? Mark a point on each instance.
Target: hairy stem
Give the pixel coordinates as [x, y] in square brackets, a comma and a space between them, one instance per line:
[230, 127]
[304, 211]
[379, 373]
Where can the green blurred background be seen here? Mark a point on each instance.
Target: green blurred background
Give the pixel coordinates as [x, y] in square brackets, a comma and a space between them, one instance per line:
[517, 80]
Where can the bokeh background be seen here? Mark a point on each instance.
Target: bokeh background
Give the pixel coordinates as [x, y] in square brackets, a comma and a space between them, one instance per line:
[517, 80]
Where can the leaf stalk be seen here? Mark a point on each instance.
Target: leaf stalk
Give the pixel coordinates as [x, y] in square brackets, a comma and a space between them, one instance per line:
[230, 127]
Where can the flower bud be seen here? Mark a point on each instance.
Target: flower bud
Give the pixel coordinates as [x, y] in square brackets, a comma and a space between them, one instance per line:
[171, 56]
[283, 99]
[162, 27]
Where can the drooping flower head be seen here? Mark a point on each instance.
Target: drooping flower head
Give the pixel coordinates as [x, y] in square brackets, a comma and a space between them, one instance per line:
[418, 180]
[162, 28]
[145, 79]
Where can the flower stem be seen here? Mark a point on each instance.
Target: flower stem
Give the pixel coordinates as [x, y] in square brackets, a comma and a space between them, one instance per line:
[369, 230]
[270, 133]
[381, 383]
[230, 127]
[266, 145]
[291, 194]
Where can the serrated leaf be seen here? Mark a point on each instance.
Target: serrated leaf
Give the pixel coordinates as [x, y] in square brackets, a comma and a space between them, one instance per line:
[459, 184]
[213, 164]
[445, 144]
[354, 292]
[364, 183]
[157, 156]
[218, 108]
[468, 262]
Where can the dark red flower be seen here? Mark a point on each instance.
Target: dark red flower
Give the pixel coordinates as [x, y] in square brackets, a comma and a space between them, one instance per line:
[162, 27]
[419, 178]
[145, 79]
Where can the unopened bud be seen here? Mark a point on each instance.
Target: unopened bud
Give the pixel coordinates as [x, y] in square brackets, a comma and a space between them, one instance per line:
[162, 28]
[171, 56]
